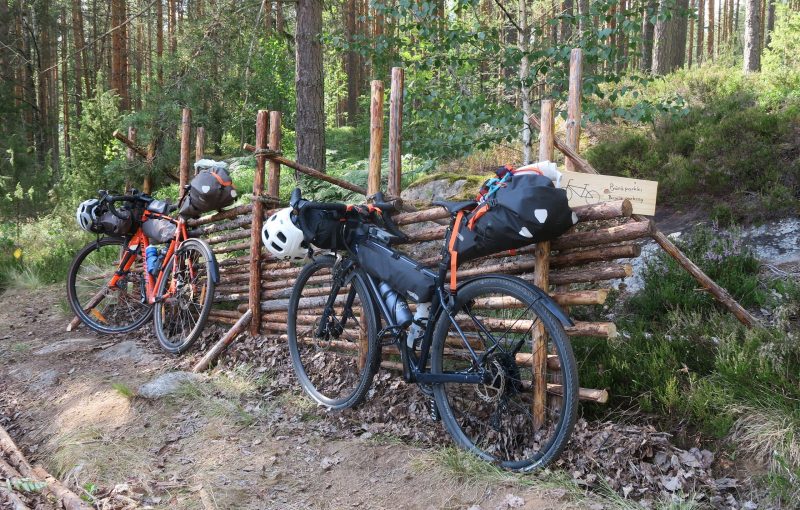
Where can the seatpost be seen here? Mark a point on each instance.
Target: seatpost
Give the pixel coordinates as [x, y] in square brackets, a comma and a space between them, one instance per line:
[444, 265]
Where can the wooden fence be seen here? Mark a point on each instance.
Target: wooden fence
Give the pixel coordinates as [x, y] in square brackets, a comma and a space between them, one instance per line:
[575, 269]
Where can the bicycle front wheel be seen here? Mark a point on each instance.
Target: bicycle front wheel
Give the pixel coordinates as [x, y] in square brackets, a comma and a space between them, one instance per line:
[118, 309]
[186, 293]
[335, 352]
[523, 413]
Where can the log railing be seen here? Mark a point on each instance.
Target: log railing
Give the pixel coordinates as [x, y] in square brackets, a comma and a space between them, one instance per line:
[575, 269]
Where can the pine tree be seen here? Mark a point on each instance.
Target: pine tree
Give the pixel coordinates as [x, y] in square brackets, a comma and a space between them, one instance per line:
[309, 83]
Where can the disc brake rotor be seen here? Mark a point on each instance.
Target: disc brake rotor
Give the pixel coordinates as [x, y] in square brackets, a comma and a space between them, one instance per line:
[494, 390]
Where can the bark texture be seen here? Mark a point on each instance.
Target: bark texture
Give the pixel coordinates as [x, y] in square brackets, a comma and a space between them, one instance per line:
[309, 82]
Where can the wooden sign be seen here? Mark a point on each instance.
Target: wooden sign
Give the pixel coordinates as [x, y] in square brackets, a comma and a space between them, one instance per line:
[584, 189]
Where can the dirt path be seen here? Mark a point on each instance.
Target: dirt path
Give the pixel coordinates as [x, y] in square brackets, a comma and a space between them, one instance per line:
[238, 439]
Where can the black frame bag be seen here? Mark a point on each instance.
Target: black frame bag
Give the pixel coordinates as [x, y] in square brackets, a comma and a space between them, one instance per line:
[401, 272]
[525, 210]
[159, 230]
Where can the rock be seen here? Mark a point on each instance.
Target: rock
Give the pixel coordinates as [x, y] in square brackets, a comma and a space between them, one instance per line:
[46, 379]
[70, 344]
[167, 384]
[127, 350]
[439, 189]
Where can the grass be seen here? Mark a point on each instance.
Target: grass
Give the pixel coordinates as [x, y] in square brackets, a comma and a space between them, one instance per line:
[123, 390]
[225, 396]
[25, 278]
[21, 347]
[465, 468]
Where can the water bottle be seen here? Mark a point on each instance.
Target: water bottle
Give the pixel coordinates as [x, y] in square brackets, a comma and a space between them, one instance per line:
[152, 257]
[396, 305]
[419, 324]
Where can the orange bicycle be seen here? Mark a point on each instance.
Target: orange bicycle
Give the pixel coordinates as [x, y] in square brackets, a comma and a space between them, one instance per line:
[115, 284]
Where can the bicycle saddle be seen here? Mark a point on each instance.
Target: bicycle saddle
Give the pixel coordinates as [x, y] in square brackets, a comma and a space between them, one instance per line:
[454, 207]
[160, 207]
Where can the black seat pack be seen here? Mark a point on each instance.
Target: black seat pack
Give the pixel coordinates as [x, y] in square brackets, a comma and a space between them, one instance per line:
[526, 209]
[210, 190]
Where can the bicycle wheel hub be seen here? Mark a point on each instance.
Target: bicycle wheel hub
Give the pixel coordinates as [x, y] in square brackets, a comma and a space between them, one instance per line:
[494, 389]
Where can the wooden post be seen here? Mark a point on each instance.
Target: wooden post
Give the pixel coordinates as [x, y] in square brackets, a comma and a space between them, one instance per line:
[130, 155]
[254, 301]
[719, 293]
[375, 139]
[225, 341]
[274, 185]
[574, 102]
[540, 279]
[186, 133]
[396, 132]
[199, 144]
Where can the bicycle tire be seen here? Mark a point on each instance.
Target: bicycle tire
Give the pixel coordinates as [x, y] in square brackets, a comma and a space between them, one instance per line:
[332, 368]
[81, 288]
[495, 420]
[172, 335]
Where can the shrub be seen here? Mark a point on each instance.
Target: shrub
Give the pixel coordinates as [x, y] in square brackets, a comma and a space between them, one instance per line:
[669, 287]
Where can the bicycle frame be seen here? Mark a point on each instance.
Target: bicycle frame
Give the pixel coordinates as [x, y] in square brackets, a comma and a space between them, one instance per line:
[417, 370]
[138, 244]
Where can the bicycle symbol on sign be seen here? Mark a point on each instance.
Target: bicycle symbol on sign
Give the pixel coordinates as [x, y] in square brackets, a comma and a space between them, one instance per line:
[590, 196]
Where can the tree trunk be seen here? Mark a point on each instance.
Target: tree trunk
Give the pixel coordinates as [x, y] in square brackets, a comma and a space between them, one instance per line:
[584, 22]
[566, 24]
[310, 116]
[701, 12]
[770, 22]
[160, 41]
[622, 43]
[351, 64]
[646, 64]
[119, 53]
[710, 39]
[173, 30]
[65, 80]
[690, 52]
[79, 45]
[670, 38]
[523, 38]
[279, 22]
[752, 46]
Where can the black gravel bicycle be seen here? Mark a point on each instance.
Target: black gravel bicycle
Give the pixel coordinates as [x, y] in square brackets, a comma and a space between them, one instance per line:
[491, 353]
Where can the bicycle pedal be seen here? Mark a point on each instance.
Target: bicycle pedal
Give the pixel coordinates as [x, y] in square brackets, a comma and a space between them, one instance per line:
[433, 410]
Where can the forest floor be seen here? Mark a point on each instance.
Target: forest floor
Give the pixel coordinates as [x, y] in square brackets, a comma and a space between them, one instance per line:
[245, 437]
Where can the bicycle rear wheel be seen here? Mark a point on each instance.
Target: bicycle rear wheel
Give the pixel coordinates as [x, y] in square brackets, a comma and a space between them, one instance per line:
[522, 416]
[119, 309]
[188, 293]
[336, 354]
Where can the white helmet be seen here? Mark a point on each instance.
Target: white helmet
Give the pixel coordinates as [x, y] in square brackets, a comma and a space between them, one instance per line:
[86, 215]
[282, 238]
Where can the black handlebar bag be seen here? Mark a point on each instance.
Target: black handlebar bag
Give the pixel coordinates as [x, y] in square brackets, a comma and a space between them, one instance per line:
[528, 209]
[111, 225]
[321, 228]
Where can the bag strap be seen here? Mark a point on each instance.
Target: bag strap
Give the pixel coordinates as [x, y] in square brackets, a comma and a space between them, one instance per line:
[454, 253]
[476, 215]
[220, 179]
